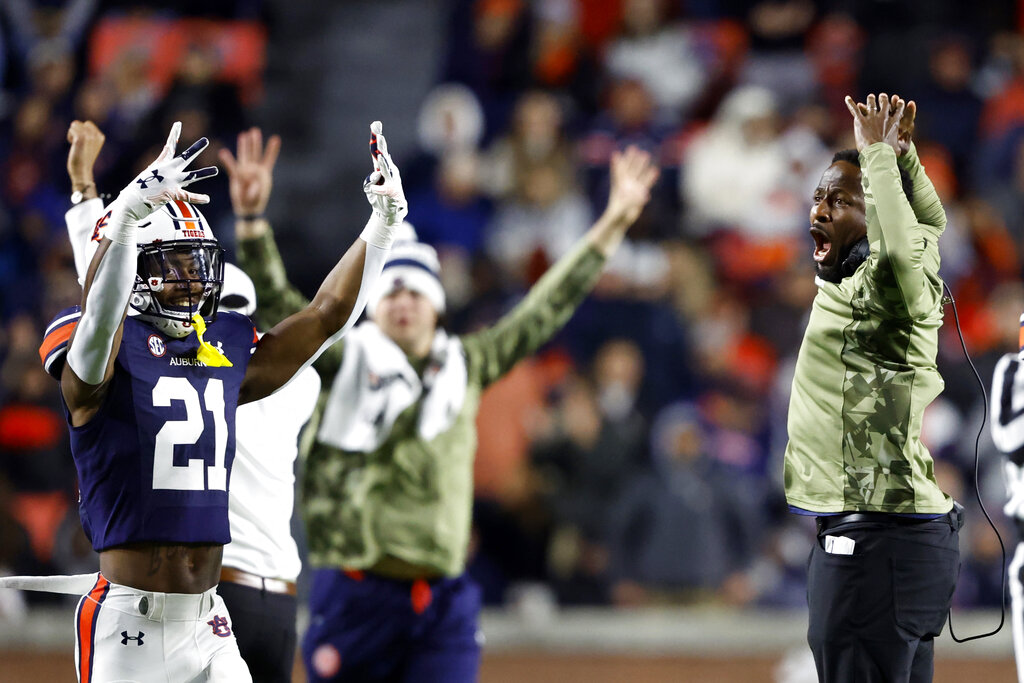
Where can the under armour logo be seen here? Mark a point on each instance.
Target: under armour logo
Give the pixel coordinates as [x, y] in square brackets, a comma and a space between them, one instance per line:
[220, 626]
[125, 638]
[156, 177]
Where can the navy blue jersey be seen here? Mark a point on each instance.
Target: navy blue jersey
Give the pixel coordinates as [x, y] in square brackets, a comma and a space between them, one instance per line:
[155, 461]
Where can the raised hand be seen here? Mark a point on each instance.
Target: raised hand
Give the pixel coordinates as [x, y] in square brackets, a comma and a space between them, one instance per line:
[906, 132]
[876, 121]
[383, 187]
[633, 175]
[86, 142]
[251, 175]
[165, 179]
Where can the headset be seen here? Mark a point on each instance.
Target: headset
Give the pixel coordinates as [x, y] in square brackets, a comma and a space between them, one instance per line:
[948, 299]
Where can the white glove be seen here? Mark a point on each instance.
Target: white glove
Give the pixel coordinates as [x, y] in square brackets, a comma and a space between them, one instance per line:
[383, 187]
[164, 180]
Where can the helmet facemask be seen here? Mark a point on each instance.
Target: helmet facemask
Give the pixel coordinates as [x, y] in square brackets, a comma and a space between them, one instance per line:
[187, 275]
[180, 270]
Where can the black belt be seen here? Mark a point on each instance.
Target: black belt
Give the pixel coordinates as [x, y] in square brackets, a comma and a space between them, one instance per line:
[955, 519]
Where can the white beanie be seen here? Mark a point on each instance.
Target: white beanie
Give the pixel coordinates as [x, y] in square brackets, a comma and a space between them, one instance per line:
[414, 266]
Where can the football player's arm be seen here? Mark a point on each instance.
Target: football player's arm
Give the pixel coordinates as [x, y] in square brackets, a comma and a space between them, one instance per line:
[276, 297]
[93, 345]
[251, 182]
[551, 302]
[296, 342]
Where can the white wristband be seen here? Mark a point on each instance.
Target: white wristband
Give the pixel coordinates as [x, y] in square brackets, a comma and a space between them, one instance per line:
[121, 228]
[377, 232]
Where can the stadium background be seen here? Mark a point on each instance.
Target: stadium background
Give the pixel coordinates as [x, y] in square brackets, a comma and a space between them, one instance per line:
[629, 516]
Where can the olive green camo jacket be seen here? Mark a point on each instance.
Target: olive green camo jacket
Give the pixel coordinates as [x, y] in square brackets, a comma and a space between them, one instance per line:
[866, 368]
[411, 498]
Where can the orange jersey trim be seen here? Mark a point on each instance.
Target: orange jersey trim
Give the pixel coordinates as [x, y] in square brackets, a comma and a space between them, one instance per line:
[55, 339]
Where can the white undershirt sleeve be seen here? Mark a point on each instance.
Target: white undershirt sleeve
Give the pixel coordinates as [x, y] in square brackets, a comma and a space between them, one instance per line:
[80, 221]
[106, 302]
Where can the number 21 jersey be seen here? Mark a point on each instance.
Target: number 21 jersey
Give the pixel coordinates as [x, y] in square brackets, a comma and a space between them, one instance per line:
[155, 461]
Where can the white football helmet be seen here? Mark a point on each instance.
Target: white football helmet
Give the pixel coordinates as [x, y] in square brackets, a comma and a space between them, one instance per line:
[177, 252]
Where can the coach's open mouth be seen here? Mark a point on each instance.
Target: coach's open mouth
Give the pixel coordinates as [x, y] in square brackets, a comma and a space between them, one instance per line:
[822, 244]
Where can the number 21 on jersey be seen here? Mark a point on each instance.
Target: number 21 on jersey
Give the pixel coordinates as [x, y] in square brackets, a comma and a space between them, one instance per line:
[196, 475]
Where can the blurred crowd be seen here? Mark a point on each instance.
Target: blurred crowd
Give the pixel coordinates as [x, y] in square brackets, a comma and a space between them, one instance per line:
[637, 459]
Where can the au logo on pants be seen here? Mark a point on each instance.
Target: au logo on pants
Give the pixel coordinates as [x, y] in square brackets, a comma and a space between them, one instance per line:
[220, 626]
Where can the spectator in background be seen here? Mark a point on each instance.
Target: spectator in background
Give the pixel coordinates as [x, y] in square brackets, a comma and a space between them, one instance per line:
[453, 213]
[561, 58]
[744, 184]
[582, 465]
[834, 47]
[618, 377]
[685, 483]
[536, 137]
[661, 54]
[777, 59]
[733, 170]
[491, 54]
[33, 447]
[197, 86]
[629, 117]
[450, 120]
[520, 235]
[16, 556]
[445, 181]
[951, 109]
[1006, 193]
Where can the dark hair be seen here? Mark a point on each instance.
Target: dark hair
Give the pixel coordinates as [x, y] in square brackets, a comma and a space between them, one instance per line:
[852, 156]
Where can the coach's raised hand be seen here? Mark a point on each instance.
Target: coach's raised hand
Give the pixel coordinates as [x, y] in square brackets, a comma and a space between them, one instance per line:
[165, 179]
[874, 121]
[906, 132]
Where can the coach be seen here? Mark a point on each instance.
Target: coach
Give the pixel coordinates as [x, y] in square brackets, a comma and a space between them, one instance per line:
[883, 569]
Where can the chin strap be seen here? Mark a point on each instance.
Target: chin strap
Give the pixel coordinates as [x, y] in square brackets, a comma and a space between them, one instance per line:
[208, 354]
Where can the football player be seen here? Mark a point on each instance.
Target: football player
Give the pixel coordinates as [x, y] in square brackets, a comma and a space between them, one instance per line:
[261, 564]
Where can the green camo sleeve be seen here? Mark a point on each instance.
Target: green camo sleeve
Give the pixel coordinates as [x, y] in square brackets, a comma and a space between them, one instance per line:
[542, 312]
[899, 265]
[276, 297]
[926, 205]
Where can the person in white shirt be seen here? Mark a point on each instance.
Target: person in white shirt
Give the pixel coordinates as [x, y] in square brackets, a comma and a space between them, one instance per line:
[262, 562]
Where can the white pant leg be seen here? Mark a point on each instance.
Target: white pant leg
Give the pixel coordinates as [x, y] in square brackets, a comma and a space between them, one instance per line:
[1017, 608]
[125, 634]
[215, 635]
[116, 640]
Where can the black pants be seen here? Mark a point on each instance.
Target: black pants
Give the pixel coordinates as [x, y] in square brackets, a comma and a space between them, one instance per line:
[874, 614]
[264, 625]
